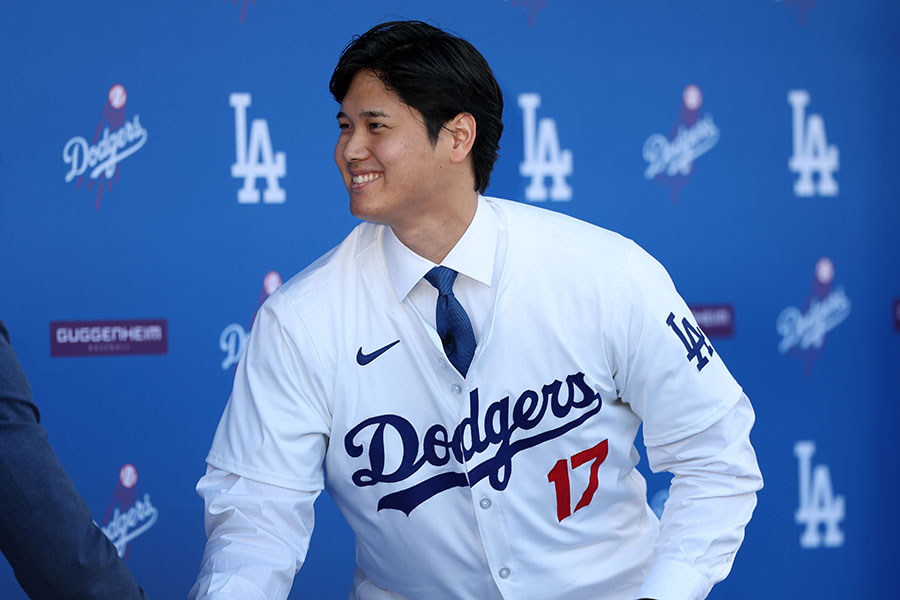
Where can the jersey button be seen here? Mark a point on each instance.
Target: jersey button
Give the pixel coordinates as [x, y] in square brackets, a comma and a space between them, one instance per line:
[503, 573]
[485, 503]
[456, 388]
[442, 363]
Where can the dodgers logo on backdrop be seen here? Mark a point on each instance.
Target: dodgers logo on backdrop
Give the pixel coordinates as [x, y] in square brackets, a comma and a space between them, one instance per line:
[543, 155]
[670, 160]
[812, 153]
[234, 337]
[475, 435]
[803, 330]
[128, 516]
[116, 138]
[897, 314]
[255, 159]
[818, 503]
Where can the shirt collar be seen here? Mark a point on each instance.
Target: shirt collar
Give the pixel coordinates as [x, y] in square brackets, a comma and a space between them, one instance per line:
[472, 256]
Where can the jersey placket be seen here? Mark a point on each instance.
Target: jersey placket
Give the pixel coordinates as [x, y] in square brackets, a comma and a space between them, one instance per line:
[487, 503]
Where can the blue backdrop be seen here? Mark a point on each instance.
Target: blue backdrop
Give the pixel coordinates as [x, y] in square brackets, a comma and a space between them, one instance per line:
[748, 146]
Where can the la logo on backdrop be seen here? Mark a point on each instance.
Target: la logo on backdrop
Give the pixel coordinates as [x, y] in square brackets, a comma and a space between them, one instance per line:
[803, 330]
[234, 337]
[812, 152]
[116, 138]
[670, 160]
[543, 155]
[255, 158]
[127, 516]
[819, 506]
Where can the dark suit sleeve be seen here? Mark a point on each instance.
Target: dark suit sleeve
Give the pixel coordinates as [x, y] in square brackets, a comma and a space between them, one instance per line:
[46, 529]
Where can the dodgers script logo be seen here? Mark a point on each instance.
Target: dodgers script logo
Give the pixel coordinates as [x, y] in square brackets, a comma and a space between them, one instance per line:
[803, 330]
[670, 160]
[543, 156]
[255, 159]
[812, 153]
[818, 503]
[234, 338]
[502, 428]
[127, 516]
[115, 139]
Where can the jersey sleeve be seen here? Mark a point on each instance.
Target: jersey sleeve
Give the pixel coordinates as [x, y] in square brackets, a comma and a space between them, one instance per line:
[276, 424]
[665, 367]
[257, 538]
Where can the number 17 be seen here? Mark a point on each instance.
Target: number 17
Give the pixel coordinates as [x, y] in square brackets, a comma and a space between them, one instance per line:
[559, 476]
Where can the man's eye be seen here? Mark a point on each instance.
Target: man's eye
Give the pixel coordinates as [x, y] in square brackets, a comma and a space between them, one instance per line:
[344, 125]
[376, 125]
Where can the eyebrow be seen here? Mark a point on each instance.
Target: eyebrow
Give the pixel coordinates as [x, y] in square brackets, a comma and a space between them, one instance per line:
[369, 114]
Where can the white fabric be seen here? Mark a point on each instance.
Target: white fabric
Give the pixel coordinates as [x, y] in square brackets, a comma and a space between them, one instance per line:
[711, 499]
[257, 537]
[477, 257]
[575, 332]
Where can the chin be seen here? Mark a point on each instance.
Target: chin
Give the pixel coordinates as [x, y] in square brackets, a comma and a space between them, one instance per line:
[363, 210]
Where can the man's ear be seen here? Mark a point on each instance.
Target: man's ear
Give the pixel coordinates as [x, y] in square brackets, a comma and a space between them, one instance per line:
[462, 131]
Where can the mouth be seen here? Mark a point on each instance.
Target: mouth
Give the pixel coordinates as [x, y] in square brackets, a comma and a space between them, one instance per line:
[362, 179]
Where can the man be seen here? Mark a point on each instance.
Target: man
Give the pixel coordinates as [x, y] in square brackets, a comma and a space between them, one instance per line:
[46, 530]
[472, 372]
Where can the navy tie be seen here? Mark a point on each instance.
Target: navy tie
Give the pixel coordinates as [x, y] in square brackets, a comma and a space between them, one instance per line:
[453, 325]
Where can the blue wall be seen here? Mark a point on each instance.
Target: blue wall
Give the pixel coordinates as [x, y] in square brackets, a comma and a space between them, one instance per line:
[167, 238]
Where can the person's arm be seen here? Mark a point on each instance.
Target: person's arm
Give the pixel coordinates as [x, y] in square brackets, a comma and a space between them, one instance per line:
[711, 499]
[696, 424]
[266, 463]
[244, 519]
[46, 530]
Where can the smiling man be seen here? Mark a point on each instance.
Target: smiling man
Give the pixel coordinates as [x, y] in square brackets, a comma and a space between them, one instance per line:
[467, 375]
[400, 175]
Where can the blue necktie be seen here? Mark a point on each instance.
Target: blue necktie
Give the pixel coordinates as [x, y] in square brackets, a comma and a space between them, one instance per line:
[453, 325]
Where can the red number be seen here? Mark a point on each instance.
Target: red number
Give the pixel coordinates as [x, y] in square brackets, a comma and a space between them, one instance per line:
[598, 454]
[559, 477]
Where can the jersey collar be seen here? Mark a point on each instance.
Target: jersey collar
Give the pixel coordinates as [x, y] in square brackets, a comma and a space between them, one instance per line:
[472, 256]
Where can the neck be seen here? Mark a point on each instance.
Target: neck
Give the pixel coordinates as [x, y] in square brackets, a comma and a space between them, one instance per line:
[435, 234]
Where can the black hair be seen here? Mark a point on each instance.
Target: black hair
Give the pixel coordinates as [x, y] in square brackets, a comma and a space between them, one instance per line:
[436, 73]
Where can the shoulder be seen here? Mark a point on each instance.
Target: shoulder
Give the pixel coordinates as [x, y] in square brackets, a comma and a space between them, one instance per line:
[552, 225]
[545, 235]
[336, 271]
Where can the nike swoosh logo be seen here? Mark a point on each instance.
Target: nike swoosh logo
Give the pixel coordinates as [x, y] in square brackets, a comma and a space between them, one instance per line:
[364, 359]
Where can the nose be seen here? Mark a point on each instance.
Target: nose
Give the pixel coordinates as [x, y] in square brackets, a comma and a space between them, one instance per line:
[355, 146]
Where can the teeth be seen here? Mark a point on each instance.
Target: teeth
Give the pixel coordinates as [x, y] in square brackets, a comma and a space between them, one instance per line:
[365, 178]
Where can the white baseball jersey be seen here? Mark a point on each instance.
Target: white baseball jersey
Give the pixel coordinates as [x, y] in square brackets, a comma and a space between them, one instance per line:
[514, 482]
